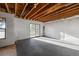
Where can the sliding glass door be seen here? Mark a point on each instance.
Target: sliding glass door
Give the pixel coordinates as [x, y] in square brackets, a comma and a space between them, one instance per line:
[34, 30]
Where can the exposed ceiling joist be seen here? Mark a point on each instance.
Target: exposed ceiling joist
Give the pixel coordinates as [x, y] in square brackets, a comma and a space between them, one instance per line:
[30, 11]
[24, 9]
[16, 8]
[7, 7]
[60, 11]
[69, 14]
[63, 14]
[52, 9]
[42, 11]
[38, 10]
[66, 6]
[47, 11]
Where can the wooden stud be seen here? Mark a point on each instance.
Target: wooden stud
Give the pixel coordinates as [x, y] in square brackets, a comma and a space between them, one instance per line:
[16, 8]
[30, 11]
[61, 11]
[47, 11]
[24, 9]
[7, 7]
[62, 14]
[52, 9]
[38, 10]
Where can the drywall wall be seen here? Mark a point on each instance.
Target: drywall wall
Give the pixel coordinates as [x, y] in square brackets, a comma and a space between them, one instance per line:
[10, 34]
[68, 27]
[16, 29]
[22, 29]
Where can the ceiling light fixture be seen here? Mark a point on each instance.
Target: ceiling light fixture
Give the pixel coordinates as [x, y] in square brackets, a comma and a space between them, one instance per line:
[35, 5]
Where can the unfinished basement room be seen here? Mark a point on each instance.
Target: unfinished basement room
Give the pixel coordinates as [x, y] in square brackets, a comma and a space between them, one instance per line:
[39, 29]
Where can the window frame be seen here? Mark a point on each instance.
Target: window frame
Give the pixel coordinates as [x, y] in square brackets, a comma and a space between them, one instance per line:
[35, 30]
[3, 28]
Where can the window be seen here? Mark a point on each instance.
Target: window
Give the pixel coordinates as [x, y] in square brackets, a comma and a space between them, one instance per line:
[34, 30]
[37, 30]
[2, 28]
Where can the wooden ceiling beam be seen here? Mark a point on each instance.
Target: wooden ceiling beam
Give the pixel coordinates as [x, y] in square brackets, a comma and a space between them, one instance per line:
[30, 10]
[7, 7]
[43, 12]
[62, 14]
[66, 15]
[16, 4]
[59, 12]
[52, 9]
[47, 11]
[24, 9]
[39, 10]
[70, 10]
[68, 6]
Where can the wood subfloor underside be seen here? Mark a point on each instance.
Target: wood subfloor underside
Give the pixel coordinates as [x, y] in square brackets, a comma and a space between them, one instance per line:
[42, 12]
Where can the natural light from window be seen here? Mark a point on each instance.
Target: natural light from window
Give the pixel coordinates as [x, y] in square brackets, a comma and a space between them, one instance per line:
[69, 38]
[34, 30]
[2, 28]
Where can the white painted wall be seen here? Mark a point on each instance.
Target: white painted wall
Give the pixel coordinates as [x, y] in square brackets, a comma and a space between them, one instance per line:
[69, 26]
[22, 29]
[10, 34]
[16, 29]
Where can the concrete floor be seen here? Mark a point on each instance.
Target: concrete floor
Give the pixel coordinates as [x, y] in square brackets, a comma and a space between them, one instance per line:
[30, 47]
[8, 51]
